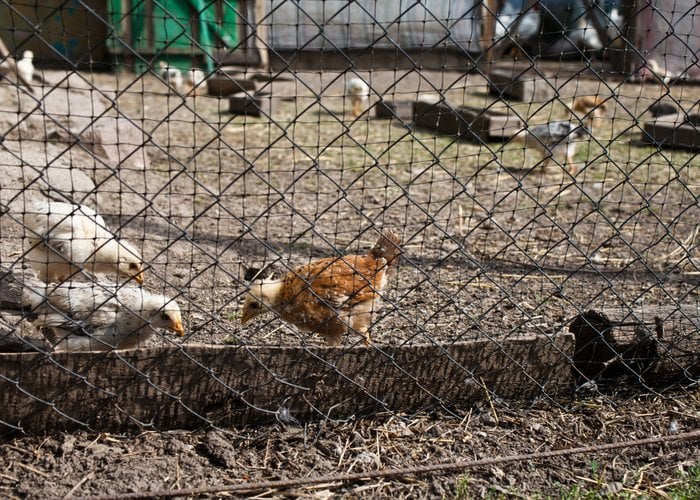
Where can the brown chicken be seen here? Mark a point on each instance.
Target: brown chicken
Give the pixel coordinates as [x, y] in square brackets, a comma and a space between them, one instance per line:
[331, 296]
[590, 109]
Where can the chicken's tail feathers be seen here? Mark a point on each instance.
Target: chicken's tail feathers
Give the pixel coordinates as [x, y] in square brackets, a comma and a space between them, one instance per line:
[387, 247]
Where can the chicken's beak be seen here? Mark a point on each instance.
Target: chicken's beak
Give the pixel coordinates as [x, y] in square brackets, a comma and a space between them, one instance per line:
[139, 278]
[176, 326]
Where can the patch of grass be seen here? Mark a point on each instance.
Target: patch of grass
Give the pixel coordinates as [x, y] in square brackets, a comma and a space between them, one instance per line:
[232, 315]
[462, 492]
[688, 486]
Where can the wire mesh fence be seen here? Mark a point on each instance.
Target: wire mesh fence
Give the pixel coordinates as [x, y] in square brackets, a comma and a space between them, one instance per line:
[343, 208]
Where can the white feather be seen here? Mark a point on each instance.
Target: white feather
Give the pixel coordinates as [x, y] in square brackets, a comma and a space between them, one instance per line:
[172, 76]
[358, 92]
[62, 239]
[100, 316]
[195, 77]
[25, 66]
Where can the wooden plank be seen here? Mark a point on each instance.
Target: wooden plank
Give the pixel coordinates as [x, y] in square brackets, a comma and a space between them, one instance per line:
[192, 385]
[658, 346]
[221, 85]
[520, 86]
[673, 131]
[474, 124]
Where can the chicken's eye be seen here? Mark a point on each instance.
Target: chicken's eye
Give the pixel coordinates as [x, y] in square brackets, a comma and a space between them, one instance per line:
[164, 317]
[255, 305]
[133, 267]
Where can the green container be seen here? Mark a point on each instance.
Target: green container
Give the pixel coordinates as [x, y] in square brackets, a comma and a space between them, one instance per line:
[184, 33]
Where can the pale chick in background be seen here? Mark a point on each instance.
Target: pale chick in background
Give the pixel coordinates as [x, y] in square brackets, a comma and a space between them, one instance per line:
[552, 139]
[25, 66]
[331, 296]
[62, 239]
[100, 316]
[357, 91]
[195, 81]
[172, 76]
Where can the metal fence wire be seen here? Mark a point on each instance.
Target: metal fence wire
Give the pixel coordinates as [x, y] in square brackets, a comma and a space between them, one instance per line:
[232, 211]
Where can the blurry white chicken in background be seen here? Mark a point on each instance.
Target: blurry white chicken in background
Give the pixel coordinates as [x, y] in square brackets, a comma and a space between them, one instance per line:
[529, 27]
[585, 35]
[195, 81]
[357, 91]
[63, 240]
[25, 66]
[171, 76]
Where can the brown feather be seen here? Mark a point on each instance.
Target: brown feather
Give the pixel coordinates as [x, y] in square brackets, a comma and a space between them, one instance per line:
[333, 296]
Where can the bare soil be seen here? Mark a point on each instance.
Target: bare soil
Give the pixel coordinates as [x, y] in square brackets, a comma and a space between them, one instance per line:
[82, 464]
[492, 246]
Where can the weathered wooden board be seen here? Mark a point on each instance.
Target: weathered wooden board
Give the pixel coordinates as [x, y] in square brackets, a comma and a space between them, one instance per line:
[673, 131]
[403, 110]
[192, 385]
[659, 346]
[475, 124]
[258, 104]
[222, 85]
[520, 86]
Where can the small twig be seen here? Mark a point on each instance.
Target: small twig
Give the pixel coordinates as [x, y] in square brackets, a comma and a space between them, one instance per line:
[489, 399]
[79, 484]
[31, 469]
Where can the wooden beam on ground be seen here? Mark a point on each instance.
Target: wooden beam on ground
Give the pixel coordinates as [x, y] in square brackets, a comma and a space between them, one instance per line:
[476, 124]
[191, 386]
[679, 130]
[251, 104]
[521, 86]
[402, 110]
[223, 84]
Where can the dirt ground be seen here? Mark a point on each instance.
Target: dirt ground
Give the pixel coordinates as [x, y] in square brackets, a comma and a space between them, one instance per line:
[82, 464]
[489, 242]
[492, 248]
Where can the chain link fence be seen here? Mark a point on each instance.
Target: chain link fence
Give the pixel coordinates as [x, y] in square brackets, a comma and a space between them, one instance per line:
[535, 161]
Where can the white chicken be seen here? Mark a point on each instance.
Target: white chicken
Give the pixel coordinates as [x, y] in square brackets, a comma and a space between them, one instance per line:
[64, 239]
[100, 316]
[528, 27]
[195, 80]
[358, 93]
[25, 66]
[172, 76]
